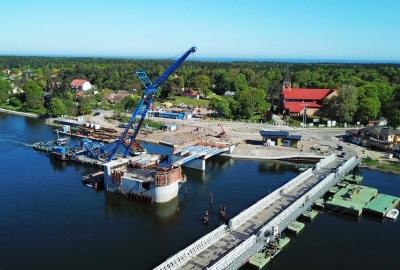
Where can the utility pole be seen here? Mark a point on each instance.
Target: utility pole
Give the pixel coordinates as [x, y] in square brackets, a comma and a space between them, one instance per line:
[304, 118]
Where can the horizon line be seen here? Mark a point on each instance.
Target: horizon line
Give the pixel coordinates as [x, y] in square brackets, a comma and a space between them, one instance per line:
[221, 59]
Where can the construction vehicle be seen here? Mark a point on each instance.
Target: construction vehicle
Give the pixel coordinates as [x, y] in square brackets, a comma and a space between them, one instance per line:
[148, 96]
[223, 134]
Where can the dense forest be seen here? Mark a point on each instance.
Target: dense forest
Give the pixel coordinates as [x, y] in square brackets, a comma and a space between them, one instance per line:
[367, 91]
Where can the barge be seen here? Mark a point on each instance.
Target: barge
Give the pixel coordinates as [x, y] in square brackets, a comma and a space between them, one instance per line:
[48, 146]
[267, 253]
[136, 148]
[354, 199]
[295, 227]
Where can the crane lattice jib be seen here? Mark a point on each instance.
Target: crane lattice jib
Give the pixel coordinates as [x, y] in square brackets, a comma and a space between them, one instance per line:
[151, 89]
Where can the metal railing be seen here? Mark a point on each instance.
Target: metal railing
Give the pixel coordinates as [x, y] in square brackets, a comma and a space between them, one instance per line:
[263, 203]
[241, 253]
[195, 248]
[287, 216]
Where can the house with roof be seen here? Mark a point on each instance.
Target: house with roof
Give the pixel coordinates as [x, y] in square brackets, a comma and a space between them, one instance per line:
[14, 76]
[28, 72]
[81, 84]
[15, 90]
[190, 94]
[383, 138]
[297, 101]
[279, 138]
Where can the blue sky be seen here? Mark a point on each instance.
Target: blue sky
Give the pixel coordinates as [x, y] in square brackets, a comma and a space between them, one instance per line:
[292, 29]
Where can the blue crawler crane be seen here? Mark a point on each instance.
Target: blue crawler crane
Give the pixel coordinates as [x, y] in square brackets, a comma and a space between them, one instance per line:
[149, 93]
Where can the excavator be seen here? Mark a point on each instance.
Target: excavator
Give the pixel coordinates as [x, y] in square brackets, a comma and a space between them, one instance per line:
[223, 134]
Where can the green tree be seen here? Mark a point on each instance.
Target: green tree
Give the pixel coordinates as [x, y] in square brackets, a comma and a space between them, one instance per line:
[223, 81]
[394, 119]
[368, 109]
[5, 86]
[202, 82]
[71, 107]
[240, 82]
[85, 108]
[263, 84]
[221, 105]
[105, 94]
[14, 101]
[234, 106]
[343, 106]
[131, 102]
[33, 94]
[57, 107]
[252, 101]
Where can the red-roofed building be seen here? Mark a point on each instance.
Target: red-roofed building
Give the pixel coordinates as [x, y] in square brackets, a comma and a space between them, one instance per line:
[296, 100]
[190, 94]
[80, 84]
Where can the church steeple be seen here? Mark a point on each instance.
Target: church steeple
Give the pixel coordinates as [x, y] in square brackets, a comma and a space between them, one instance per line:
[287, 84]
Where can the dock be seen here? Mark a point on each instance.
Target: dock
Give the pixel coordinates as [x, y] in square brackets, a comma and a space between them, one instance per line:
[354, 199]
[262, 258]
[310, 214]
[295, 227]
[381, 204]
[351, 199]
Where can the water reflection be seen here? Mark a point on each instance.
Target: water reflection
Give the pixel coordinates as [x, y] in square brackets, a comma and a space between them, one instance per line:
[277, 167]
[118, 204]
[374, 218]
[345, 217]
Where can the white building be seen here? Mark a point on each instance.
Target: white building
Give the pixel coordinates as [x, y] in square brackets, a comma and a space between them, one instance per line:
[81, 84]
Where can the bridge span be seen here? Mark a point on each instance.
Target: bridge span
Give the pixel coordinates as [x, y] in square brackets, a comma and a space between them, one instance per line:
[194, 156]
[231, 245]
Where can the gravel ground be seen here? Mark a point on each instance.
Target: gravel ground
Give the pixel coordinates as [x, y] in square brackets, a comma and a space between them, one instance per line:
[191, 131]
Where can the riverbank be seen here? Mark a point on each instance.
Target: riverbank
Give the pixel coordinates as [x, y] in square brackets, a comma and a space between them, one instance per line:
[190, 132]
[392, 167]
[34, 115]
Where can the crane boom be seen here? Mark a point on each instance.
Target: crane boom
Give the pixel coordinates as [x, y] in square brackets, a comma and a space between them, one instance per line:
[150, 90]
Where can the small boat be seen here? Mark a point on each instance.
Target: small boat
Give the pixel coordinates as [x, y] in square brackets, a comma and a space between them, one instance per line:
[136, 148]
[62, 141]
[392, 213]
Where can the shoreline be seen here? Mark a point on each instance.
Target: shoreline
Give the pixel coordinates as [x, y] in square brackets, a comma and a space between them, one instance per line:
[34, 115]
[376, 168]
[276, 158]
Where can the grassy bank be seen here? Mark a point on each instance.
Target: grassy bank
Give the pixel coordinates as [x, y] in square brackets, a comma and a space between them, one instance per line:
[382, 166]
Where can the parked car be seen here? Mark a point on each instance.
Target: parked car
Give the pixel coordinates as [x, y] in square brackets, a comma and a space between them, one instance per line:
[343, 154]
[96, 114]
[340, 148]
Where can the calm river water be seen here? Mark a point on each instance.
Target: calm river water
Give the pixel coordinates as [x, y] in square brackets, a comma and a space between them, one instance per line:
[50, 220]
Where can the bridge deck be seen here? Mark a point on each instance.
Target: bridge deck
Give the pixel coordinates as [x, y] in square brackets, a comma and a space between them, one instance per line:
[194, 152]
[253, 224]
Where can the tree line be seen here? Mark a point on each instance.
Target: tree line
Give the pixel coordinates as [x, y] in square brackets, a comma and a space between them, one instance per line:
[367, 91]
